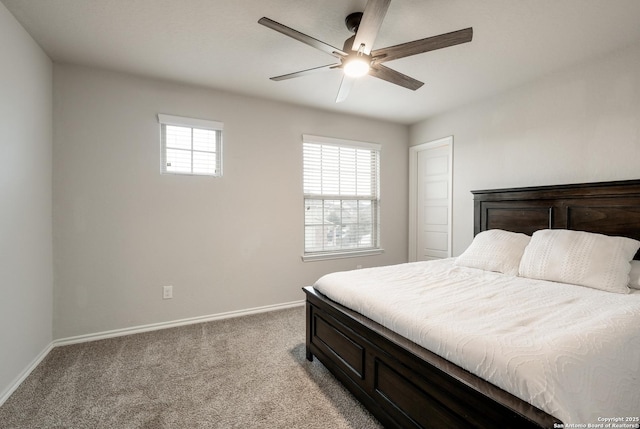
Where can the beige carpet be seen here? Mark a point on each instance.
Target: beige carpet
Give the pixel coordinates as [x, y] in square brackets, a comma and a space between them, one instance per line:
[247, 372]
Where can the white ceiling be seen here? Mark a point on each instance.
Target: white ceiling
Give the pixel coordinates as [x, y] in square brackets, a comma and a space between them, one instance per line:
[219, 44]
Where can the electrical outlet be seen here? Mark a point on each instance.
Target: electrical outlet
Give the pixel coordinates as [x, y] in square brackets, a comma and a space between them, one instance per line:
[167, 292]
[358, 267]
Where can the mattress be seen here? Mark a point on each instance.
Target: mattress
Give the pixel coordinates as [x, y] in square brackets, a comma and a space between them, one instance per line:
[571, 351]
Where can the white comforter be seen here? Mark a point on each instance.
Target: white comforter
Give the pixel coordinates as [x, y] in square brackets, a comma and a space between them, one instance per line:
[572, 351]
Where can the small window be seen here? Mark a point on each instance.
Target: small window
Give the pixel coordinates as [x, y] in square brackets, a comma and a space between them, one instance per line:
[191, 146]
[341, 198]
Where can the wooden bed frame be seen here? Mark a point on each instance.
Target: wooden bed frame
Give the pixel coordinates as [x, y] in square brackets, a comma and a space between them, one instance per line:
[406, 386]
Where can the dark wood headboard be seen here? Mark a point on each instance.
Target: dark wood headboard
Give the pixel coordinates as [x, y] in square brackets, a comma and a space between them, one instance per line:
[611, 208]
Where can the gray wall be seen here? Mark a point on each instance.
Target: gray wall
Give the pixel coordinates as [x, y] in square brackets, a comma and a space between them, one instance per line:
[123, 230]
[25, 195]
[578, 125]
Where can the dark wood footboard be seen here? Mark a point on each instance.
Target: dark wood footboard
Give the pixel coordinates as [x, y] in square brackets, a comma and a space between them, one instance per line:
[402, 384]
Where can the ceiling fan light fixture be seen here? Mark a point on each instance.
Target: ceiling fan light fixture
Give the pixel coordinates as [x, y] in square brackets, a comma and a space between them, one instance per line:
[357, 66]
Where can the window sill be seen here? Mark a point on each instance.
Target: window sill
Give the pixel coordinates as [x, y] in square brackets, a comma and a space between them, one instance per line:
[340, 255]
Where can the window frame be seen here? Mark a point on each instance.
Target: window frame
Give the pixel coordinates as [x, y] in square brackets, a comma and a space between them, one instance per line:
[193, 124]
[376, 247]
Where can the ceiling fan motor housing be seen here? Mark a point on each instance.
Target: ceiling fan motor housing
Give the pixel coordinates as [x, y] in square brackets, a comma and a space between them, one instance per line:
[348, 44]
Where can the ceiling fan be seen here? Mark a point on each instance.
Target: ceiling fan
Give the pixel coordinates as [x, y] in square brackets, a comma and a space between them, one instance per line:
[357, 56]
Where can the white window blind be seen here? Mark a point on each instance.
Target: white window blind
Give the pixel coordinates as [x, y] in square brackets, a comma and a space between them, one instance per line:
[341, 196]
[191, 146]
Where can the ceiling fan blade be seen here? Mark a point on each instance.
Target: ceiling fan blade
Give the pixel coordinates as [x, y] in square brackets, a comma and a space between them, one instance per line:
[305, 72]
[345, 88]
[422, 45]
[390, 75]
[371, 21]
[301, 37]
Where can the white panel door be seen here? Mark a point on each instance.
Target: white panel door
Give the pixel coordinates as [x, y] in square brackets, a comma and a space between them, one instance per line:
[430, 202]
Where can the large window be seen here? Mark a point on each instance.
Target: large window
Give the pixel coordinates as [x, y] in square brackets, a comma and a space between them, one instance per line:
[341, 198]
[191, 146]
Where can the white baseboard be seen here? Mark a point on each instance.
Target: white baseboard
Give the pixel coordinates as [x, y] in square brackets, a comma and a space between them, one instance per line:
[25, 373]
[172, 324]
[135, 330]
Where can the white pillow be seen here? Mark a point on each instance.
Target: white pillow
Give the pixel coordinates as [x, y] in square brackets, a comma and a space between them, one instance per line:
[580, 258]
[634, 275]
[495, 250]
